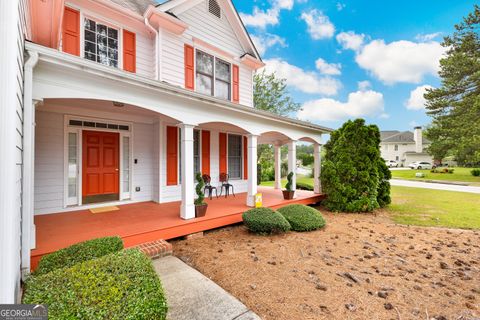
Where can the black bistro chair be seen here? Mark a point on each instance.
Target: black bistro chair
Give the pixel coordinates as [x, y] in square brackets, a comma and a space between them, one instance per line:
[225, 185]
[208, 186]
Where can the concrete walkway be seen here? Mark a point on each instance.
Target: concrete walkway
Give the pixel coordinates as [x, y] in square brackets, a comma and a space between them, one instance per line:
[436, 186]
[191, 295]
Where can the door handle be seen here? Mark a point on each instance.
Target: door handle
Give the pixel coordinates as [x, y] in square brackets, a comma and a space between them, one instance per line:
[116, 169]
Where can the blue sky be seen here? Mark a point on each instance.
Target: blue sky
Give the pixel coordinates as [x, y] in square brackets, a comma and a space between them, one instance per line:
[349, 59]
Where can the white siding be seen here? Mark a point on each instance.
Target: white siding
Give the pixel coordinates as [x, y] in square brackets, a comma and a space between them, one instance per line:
[49, 183]
[172, 65]
[207, 27]
[145, 56]
[49, 162]
[246, 86]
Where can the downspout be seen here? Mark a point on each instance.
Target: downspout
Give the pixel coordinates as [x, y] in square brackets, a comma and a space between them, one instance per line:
[28, 228]
[149, 26]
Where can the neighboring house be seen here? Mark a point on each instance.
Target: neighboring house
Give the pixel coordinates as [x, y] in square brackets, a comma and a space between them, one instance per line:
[404, 147]
[122, 101]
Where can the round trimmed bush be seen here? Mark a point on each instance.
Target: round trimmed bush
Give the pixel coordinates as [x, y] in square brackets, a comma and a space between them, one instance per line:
[265, 221]
[302, 218]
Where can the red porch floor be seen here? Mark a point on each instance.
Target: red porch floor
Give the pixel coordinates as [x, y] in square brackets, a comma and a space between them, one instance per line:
[147, 221]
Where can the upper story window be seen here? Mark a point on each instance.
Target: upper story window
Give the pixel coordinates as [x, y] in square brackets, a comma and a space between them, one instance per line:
[100, 43]
[213, 76]
[214, 8]
[396, 147]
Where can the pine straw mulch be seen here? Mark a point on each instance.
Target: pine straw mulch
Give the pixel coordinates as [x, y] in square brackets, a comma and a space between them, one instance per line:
[358, 267]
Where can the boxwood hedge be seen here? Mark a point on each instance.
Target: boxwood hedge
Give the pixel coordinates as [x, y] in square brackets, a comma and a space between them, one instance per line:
[121, 285]
[302, 218]
[79, 252]
[265, 220]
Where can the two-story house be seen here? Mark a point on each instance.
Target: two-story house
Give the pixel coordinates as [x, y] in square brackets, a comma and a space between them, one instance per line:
[121, 102]
[404, 147]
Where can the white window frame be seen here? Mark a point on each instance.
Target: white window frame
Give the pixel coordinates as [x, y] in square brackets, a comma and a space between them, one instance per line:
[93, 16]
[242, 156]
[70, 201]
[215, 57]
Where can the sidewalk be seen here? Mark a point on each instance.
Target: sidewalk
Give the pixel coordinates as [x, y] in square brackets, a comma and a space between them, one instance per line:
[436, 186]
[191, 295]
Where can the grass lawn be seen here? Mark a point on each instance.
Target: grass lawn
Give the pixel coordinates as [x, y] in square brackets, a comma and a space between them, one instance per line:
[459, 175]
[301, 179]
[426, 207]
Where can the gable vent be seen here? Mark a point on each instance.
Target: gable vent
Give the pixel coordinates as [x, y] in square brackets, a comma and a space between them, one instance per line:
[214, 8]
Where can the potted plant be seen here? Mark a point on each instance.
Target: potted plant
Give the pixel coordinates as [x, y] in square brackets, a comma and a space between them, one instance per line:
[200, 205]
[288, 193]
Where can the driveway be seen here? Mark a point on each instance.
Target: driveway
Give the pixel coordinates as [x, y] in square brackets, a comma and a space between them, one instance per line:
[436, 186]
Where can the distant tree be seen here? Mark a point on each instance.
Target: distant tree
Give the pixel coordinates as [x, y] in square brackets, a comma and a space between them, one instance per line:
[455, 105]
[354, 176]
[270, 94]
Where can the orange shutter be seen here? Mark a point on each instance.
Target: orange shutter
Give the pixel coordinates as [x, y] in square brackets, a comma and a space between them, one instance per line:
[129, 51]
[222, 141]
[235, 84]
[172, 156]
[71, 31]
[206, 152]
[245, 158]
[189, 67]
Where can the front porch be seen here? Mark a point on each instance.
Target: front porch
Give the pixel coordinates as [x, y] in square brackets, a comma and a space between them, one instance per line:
[147, 221]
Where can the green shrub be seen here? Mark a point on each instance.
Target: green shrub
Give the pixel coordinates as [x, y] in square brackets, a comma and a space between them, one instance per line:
[289, 184]
[434, 171]
[199, 190]
[121, 285]
[302, 218]
[265, 220]
[354, 176]
[475, 172]
[451, 170]
[79, 252]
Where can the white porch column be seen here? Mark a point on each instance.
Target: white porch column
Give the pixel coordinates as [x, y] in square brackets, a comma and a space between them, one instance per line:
[252, 169]
[278, 166]
[187, 209]
[317, 167]
[292, 163]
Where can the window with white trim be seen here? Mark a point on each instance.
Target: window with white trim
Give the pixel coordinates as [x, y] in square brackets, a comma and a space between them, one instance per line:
[100, 43]
[234, 156]
[213, 76]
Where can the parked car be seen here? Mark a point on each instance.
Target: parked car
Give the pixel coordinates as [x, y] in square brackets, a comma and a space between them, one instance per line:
[391, 163]
[420, 165]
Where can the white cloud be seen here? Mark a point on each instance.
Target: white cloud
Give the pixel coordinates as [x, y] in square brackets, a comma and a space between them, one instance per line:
[400, 61]
[340, 6]
[364, 85]
[324, 67]
[427, 37]
[319, 25]
[350, 40]
[413, 123]
[301, 80]
[283, 4]
[265, 41]
[260, 18]
[416, 101]
[358, 104]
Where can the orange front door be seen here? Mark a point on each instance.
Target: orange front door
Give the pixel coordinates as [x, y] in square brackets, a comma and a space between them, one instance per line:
[100, 166]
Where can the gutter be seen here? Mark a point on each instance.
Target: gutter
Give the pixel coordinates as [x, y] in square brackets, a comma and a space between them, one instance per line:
[28, 228]
[157, 57]
[56, 57]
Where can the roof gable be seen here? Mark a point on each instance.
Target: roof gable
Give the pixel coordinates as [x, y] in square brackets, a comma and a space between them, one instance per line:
[177, 7]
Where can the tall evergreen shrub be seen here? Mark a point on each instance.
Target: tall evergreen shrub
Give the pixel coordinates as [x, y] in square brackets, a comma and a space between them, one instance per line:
[354, 176]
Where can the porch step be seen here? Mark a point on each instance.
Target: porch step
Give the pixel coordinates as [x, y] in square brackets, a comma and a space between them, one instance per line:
[156, 249]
